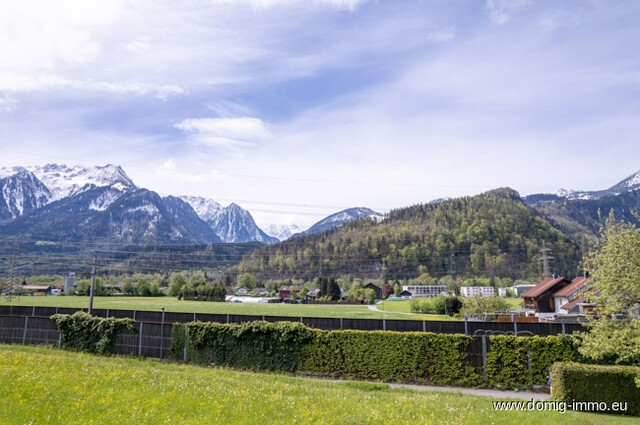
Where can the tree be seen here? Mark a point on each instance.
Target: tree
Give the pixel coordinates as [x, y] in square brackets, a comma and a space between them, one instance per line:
[176, 281]
[335, 291]
[397, 289]
[387, 290]
[452, 305]
[615, 267]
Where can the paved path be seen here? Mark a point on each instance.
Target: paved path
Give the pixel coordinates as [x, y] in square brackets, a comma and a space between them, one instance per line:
[523, 395]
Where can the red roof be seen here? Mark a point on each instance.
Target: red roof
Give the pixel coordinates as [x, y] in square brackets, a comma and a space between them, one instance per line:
[543, 287]
[571, 304]
[576, 284]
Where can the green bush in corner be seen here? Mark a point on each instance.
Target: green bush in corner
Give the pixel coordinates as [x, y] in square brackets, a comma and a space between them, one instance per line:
[509, 357]
[595, 383]
[84, 332]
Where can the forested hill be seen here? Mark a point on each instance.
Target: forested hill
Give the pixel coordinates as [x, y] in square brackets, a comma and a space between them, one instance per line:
[492, 234]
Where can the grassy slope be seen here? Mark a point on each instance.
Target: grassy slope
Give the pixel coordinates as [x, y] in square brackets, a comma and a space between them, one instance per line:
[40, 385]
[173, 305]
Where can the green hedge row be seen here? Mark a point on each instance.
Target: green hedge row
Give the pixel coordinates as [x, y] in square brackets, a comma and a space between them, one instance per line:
[252, 345]
[595, 384]
[84, 332]
[514, 362]
[391, 356]
[441, 359]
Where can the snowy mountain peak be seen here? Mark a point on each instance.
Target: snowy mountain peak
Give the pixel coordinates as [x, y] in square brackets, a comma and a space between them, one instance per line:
[281, 231]
[64, 181]
[234, 224]
[629, 184]
[21, 192]
[206, 209]
[340, 218]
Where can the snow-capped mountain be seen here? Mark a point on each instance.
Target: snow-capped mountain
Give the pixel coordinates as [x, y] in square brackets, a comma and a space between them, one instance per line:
[629, 184]
[63, 181]
[207, 209]
[20, 193]
[234, 224]
[282, 231]
[185, 214]
[340, 218]
[78, 203]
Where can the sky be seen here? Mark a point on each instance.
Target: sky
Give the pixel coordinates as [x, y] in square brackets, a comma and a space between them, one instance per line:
[296, 109]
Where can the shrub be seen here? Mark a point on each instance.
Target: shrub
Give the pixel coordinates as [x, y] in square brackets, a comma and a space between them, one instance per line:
[508, 359]
[84, 332]
[390, 356]
[597, 383]
[252, 345]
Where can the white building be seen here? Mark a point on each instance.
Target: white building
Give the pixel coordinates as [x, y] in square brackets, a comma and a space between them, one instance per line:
[428, 291]
[472, 291]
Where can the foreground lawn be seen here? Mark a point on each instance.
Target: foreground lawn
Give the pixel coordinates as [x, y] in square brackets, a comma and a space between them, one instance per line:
[47, 386]
[172, 304]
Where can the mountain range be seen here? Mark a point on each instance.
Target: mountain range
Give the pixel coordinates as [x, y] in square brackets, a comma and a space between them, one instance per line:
[101, 203]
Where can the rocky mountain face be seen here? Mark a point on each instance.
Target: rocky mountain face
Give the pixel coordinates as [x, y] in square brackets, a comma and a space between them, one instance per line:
[234, 224]
[21, 193]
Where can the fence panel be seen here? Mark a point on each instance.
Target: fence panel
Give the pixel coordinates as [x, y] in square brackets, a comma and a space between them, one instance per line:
[324, 323]
[41, 331]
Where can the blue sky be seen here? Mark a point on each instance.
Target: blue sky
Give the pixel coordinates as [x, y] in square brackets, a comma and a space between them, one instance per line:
[295, 109]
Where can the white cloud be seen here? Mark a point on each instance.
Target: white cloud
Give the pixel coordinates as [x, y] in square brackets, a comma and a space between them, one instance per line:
[7, 103]
[225, 131]
[500, 10]
[263, 4]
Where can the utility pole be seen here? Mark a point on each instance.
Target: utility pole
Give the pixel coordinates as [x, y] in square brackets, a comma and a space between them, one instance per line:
[93, 281]
[13, 265]
[545, 260]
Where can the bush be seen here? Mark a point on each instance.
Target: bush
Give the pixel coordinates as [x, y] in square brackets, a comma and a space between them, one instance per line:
[597, 383]
[252, 345]
[84, 332]
[390, 356]
[509, 356]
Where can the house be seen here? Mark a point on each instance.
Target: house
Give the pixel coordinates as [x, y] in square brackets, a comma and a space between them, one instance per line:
[481, 291]
[313, 294]
[576, 289]
[285, 291]
[376, 289]
[242, 291]
[35, 289]
[540, 297]
[428, 291]
[406, 294]
[260, 291]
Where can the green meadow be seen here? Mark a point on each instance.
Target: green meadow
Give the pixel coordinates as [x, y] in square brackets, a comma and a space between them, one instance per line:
[47, 386]
[172, 304]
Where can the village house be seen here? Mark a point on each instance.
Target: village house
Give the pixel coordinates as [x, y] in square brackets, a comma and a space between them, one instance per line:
[540, 297]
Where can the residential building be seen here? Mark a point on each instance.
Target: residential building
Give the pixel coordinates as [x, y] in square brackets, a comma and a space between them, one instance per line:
[428, 291]
[482, 291]
[376, 289]
[576, 289]
[540, 297]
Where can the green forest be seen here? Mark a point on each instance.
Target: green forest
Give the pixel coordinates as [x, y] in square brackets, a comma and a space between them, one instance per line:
[489, 235]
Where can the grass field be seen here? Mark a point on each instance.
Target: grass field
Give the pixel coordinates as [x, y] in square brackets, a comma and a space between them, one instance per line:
[404, 306]
[173, 305]
[48, 386]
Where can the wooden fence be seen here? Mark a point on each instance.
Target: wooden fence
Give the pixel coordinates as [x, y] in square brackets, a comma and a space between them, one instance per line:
[324, 323]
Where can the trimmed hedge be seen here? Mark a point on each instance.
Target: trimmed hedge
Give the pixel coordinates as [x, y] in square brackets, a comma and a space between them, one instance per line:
[595, 383]
[255, 345]
[391, 356]
[84, 332]
[508, 359]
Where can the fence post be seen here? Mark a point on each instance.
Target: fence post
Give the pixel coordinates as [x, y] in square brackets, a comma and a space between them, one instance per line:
[424, 326]
[59, 339]
[466, 324]
[33, 311]
[227, 319]
[107, 313]
[515, 327]
[484, 358]
[341, 324]
[24, 332]
[186, 341]
[56, 310]
[134, 315]
[563, 330]
[194, 317]
[162, 334]
[140, 340]
[384, 325]
[301, 320]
